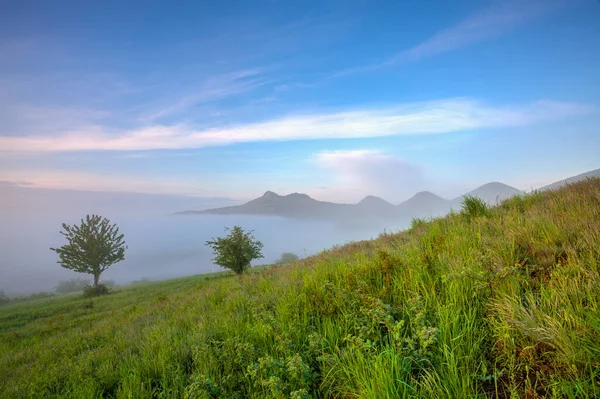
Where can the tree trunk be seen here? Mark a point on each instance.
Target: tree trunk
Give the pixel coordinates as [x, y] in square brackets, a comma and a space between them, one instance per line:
[96, 279]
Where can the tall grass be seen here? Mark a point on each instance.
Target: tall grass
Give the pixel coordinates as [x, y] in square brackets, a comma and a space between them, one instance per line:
[474, 207]
[506, 305]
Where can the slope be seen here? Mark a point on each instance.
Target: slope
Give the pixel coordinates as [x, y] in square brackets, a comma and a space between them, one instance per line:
[574, 179]
[501, 305]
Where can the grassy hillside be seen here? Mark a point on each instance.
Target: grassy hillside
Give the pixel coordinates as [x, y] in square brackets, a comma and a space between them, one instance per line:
[501, 304]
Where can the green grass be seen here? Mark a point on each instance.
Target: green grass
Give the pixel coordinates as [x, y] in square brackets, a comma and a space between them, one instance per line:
[504, 303]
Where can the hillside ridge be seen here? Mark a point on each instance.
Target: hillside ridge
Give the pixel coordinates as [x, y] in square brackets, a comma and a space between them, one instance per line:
[422, 204]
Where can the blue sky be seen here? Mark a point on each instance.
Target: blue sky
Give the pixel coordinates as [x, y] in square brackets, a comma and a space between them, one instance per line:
[337, 99]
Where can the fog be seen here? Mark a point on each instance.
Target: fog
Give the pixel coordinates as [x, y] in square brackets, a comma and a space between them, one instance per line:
[160, 244]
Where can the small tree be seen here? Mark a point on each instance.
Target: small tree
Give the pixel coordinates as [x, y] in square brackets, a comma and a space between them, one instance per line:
[237, 250]
[93, 246]
[287, 257]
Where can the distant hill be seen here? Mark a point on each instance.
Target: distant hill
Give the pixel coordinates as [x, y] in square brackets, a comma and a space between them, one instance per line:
[292, 205]
[375, 207]
[424, 204]
[574, 179]
[492, 193]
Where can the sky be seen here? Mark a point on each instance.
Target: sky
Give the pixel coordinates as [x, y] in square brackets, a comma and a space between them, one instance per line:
[336, 99]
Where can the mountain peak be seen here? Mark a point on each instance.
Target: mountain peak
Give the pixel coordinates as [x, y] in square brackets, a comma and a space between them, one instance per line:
[269, 194]
[426, 194]
[298, 195]
[424, 204]
[495, 187]
[492, 192]
[495, 184]
[372, 200]
[424, 197]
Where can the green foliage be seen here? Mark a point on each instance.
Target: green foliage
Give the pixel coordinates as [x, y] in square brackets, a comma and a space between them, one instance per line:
[282, 378]
[81, 284]
[92, 247]
[502, 306]
[237, 250]
[90, 291]
[72, 285]
[473, 207]
[287, 257]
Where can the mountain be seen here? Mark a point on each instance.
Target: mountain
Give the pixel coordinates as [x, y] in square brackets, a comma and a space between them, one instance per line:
[292, 205]
[574, 179]
[492, 193]
[424, 204]
[371, 201]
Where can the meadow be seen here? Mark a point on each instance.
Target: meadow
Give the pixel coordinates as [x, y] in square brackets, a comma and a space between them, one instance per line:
[499, 302]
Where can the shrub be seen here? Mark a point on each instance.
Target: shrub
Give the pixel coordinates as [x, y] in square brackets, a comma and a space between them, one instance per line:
[72, 285]
[91, 291]
[287, 257]
[474, 207]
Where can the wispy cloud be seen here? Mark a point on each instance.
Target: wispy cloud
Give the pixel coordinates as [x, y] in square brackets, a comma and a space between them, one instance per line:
[497, 20]
[213, 88]
[20, 115]
[405, 119]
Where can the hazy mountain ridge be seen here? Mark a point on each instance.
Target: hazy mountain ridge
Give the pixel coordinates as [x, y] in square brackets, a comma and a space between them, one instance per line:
[422, 204]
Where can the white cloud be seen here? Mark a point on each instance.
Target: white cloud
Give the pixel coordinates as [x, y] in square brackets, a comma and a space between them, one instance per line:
[359, 173]
[211, 89]
[432, 117]
[499, 19]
